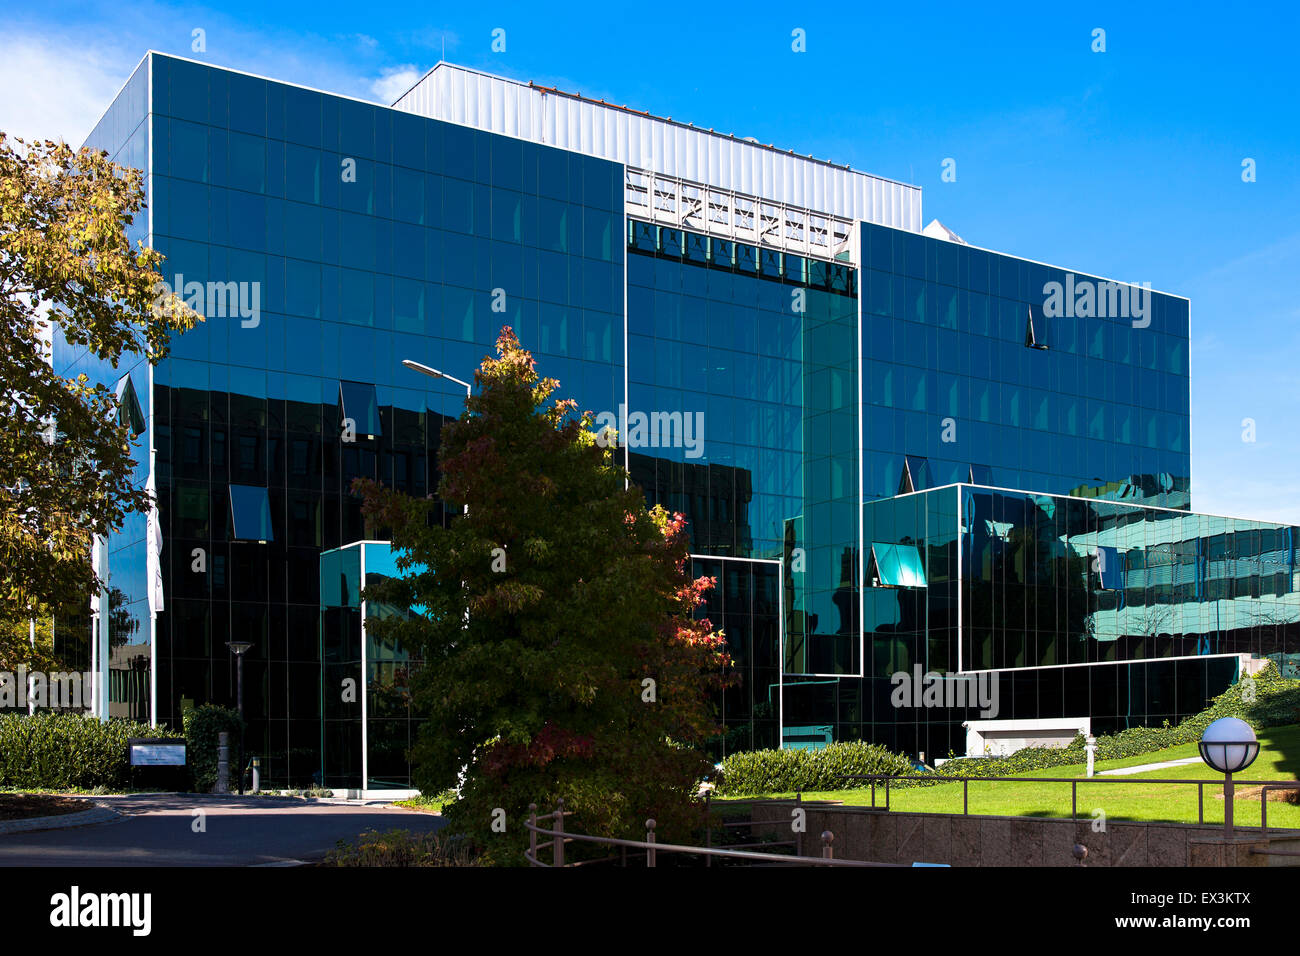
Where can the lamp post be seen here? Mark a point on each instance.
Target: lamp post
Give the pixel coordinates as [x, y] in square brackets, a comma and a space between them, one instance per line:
[436, 373]
[239, 649]
[1228, 746]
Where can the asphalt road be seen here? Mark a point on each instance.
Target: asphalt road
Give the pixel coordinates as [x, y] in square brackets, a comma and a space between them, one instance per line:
[163, 830]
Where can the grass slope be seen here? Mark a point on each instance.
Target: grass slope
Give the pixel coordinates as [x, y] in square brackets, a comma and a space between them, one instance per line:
[1129, 798]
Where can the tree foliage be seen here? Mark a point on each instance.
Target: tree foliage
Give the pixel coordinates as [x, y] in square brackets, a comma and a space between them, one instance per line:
[17, 648]
[562, 655]
[65, 461]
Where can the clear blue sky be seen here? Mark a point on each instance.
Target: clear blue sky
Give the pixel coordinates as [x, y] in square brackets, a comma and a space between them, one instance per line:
[1125, 163]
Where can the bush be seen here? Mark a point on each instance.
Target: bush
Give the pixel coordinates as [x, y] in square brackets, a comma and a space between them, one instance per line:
[68, 751]
[203, 725]
[1276, 703]
[785, 771]
[403, 848]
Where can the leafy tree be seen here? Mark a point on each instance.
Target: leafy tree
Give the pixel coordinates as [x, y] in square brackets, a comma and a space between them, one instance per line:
[65, 461]
[17, 648]
[561, 655]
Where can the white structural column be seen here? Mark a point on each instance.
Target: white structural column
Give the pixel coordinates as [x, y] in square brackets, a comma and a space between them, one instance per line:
[154, 545]
[99, 635]
[365, 681]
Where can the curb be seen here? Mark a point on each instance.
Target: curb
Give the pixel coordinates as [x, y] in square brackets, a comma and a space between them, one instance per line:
[96, 814]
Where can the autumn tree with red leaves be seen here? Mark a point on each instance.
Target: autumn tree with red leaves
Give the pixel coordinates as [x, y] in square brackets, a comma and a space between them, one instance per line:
[562, 654]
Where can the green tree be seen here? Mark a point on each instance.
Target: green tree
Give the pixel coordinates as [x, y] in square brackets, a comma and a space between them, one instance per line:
[561, 654]
[65, 461]
[17, 649]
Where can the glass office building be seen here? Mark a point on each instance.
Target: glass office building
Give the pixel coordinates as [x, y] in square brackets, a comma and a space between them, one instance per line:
[1076, 607]
[837, 360]
[361, 671]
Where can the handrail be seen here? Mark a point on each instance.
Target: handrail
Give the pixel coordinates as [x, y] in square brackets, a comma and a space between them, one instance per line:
[652, 847]
[1263, 803]
[1265, 786]
[796, 843]
[936, 778]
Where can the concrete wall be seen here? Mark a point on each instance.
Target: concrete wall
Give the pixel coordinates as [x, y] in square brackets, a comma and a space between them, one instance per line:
[1002, 737]
[890, 837]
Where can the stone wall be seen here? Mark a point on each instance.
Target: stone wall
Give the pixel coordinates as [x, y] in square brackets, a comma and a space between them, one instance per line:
[891, 837]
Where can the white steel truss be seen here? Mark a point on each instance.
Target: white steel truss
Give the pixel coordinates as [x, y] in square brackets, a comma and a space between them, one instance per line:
[683, 204]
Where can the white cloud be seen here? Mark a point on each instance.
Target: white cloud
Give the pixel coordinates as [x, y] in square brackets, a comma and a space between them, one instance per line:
[56, 89]
[1271, 499]
[59, 81]
[394, 81]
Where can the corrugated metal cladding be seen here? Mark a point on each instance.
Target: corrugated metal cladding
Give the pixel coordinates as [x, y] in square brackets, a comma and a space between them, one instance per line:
[499, 105]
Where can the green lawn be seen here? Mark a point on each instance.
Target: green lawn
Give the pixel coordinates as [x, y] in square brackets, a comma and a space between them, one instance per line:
[1128, 799]
[425, 804]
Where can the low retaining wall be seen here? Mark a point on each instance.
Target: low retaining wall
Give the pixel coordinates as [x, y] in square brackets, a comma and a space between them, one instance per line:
[893, 837]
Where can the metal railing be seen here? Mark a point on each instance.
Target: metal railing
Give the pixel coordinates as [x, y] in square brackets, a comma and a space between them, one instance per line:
[651, 848]
[1263, 805]
[1074, 782]
[797, 842]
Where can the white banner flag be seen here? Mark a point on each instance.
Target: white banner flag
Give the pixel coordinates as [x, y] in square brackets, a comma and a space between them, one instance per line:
[97, 549]
[153, 548]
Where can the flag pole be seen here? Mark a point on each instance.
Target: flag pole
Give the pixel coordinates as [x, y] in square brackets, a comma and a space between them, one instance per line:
[153, 529]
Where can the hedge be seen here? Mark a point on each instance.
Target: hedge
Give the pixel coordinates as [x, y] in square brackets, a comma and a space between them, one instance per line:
[1276, 703]
[203, 725]
[790, 770]
[49, 750]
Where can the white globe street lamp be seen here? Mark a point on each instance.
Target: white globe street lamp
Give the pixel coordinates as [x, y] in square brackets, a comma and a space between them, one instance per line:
[1229, 746]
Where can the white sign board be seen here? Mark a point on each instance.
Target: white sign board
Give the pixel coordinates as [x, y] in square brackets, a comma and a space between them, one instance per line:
[158, 755]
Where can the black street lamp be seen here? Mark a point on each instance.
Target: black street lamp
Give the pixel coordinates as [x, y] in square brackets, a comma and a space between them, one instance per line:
[436, 373]
[432, 372]
[239, 649]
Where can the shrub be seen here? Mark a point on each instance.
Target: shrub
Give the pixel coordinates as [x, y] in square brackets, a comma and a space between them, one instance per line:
[1276, 703]
[203, 726]
[68, 751]
[403, 848]
[784, 771]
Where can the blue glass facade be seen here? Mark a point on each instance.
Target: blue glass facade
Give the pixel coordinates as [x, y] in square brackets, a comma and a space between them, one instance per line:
[1099, 409]
[1132, 615]
[123, 133]
[368, 724]
[340, 238]
[370, 236]
[764, 345]
[374, 236]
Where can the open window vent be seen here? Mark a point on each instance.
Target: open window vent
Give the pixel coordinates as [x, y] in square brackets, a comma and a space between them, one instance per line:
[895, 566]
[129, 412]
[1031, 336]
[916, 475]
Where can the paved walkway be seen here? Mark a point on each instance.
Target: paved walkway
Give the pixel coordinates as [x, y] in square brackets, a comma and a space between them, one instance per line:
[1144, 767]
[159, 829]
